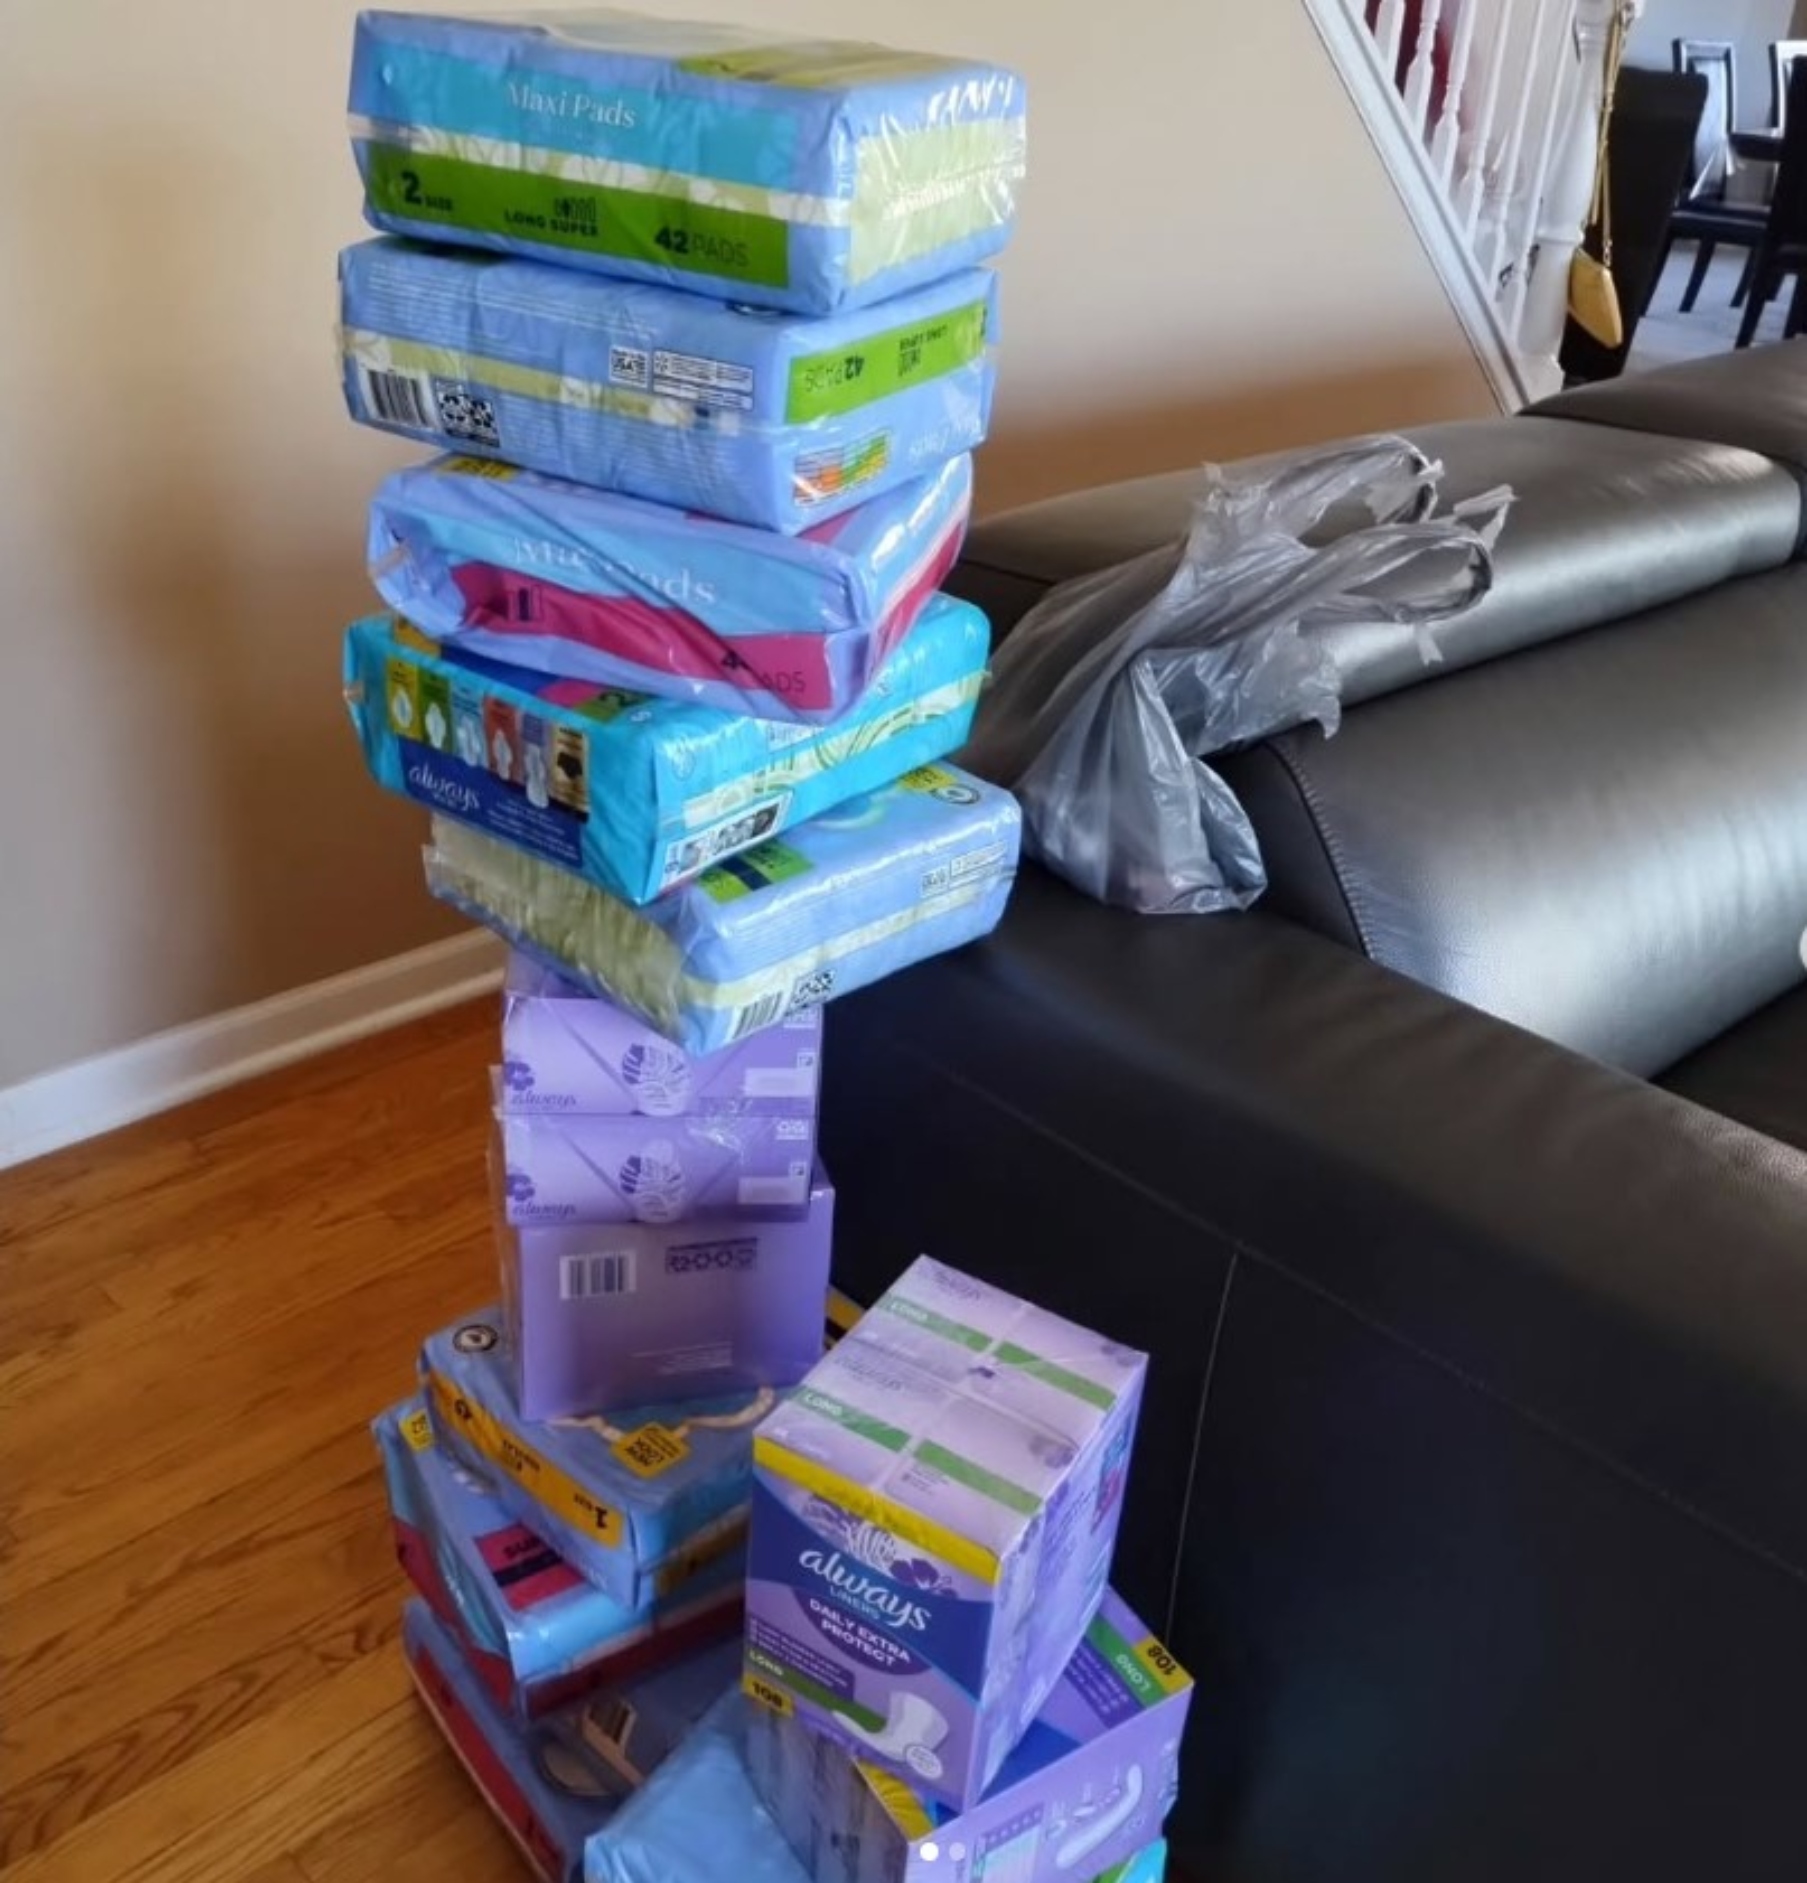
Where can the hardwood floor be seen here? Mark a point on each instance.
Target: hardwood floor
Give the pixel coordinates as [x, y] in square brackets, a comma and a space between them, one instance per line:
[199, 1676]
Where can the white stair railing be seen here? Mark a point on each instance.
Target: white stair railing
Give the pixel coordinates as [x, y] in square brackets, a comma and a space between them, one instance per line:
[1486, 113]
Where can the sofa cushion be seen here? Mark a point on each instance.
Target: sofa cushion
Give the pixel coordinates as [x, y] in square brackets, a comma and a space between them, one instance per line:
[1755, 399]
[1603, 839]
[1756, 1073]
[1606, 523]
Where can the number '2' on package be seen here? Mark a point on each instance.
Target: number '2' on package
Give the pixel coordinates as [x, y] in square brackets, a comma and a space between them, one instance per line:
[880, 882]
[589, 585]
[777, 420]
[804, 174]
[934, 1515]
[639, 795]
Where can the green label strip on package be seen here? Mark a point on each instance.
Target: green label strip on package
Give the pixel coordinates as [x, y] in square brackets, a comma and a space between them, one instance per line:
[636, 225]
[825, 385]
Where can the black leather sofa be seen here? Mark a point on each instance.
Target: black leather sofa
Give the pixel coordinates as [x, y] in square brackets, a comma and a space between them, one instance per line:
[1458, 1190]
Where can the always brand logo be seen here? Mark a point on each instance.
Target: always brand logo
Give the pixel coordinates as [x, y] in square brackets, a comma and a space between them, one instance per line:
[443, 788]
[869, 1594]
[705, 1258]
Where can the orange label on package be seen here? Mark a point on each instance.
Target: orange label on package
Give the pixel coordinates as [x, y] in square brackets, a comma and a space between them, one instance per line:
[557, 1490]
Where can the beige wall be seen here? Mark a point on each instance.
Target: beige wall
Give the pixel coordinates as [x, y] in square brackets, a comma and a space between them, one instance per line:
[184, 823]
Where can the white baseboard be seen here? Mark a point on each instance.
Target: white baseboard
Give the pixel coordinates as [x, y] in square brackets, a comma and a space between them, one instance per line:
[151, 1075]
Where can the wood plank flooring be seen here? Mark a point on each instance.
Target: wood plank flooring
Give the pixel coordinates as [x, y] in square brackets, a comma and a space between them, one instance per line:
[199, 1674]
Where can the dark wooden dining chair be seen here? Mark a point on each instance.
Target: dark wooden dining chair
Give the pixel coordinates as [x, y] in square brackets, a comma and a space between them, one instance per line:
[1703, 216]
[1781, 250]
[1783, 53]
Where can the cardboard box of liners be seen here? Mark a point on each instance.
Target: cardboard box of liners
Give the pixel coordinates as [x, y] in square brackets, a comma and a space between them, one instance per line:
[934, 1514]
[631, 1314]
[1089, 1785]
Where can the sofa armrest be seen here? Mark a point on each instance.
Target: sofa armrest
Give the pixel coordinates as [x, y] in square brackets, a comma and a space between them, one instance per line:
[1623, 1269]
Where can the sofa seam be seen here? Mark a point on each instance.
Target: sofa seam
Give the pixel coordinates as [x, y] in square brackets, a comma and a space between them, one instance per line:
[1238, 1247]
[1171, 1619]
[1318, 817]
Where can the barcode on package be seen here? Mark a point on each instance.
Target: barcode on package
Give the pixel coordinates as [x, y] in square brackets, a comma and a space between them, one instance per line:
[400, 398]
[760, 1013]
[590, 1277]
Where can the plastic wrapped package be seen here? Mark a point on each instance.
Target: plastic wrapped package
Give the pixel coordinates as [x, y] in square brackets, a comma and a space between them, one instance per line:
[883, 881]
[588, 585]
[557, 1783]
[639, 795]
[777, 420]
[634, 1316]
[1113, 690]
[566, 1051]
[531, 1628]
[811, 175]
[641, 1504]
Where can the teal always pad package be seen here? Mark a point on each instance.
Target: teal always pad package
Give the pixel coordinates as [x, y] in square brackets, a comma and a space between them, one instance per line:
[639, 795]
[776, 420]
[809, 175]
[878, 883]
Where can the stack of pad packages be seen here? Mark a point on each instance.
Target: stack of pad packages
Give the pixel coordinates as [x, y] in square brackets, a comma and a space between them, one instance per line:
[701, 323]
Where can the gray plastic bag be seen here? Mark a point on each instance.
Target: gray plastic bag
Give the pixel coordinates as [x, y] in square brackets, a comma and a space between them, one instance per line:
[1111, 692]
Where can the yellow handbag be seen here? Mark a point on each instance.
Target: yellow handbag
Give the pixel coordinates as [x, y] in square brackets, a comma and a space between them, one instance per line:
[1593, 294]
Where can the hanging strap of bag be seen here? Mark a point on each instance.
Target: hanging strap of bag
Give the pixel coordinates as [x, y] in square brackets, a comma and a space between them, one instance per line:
[1593, 294]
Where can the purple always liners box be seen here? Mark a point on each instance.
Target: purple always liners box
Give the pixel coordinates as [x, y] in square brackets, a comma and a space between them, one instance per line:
[578, 1168]
[564, 1050]
[1087, 1788]
[934, 1514]
[602, 1317]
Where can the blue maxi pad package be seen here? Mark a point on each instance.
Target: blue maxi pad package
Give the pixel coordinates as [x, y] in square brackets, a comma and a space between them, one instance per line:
[558, 1783]
[640, 1504]
[777, 420]
[883, 881]
[633, 794]
[810, 175]
[590, 585]
[534, 1631]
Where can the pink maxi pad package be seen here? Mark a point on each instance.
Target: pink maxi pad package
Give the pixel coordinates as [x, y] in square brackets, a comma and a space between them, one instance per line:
[602, 1317]
[589, 585]
[565, 1050]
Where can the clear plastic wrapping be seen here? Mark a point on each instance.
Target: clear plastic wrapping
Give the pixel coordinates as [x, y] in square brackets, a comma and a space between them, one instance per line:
[810, 175]
[1112, 691]
[589, 585]
[885, 880]
[777, 420]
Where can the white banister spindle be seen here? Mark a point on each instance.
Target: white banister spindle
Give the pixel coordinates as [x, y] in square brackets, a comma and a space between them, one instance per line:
[1472, 193]
[1497, 171]
[1446, 142]
[1389, 27]
[1421, 79]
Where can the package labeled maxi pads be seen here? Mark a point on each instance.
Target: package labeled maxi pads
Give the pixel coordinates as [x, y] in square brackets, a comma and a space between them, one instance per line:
[851, 896]
[590, 585]
[778, 420]
[935, 1510]
[805, 174]
[1087, 1787]
[533, 1630]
